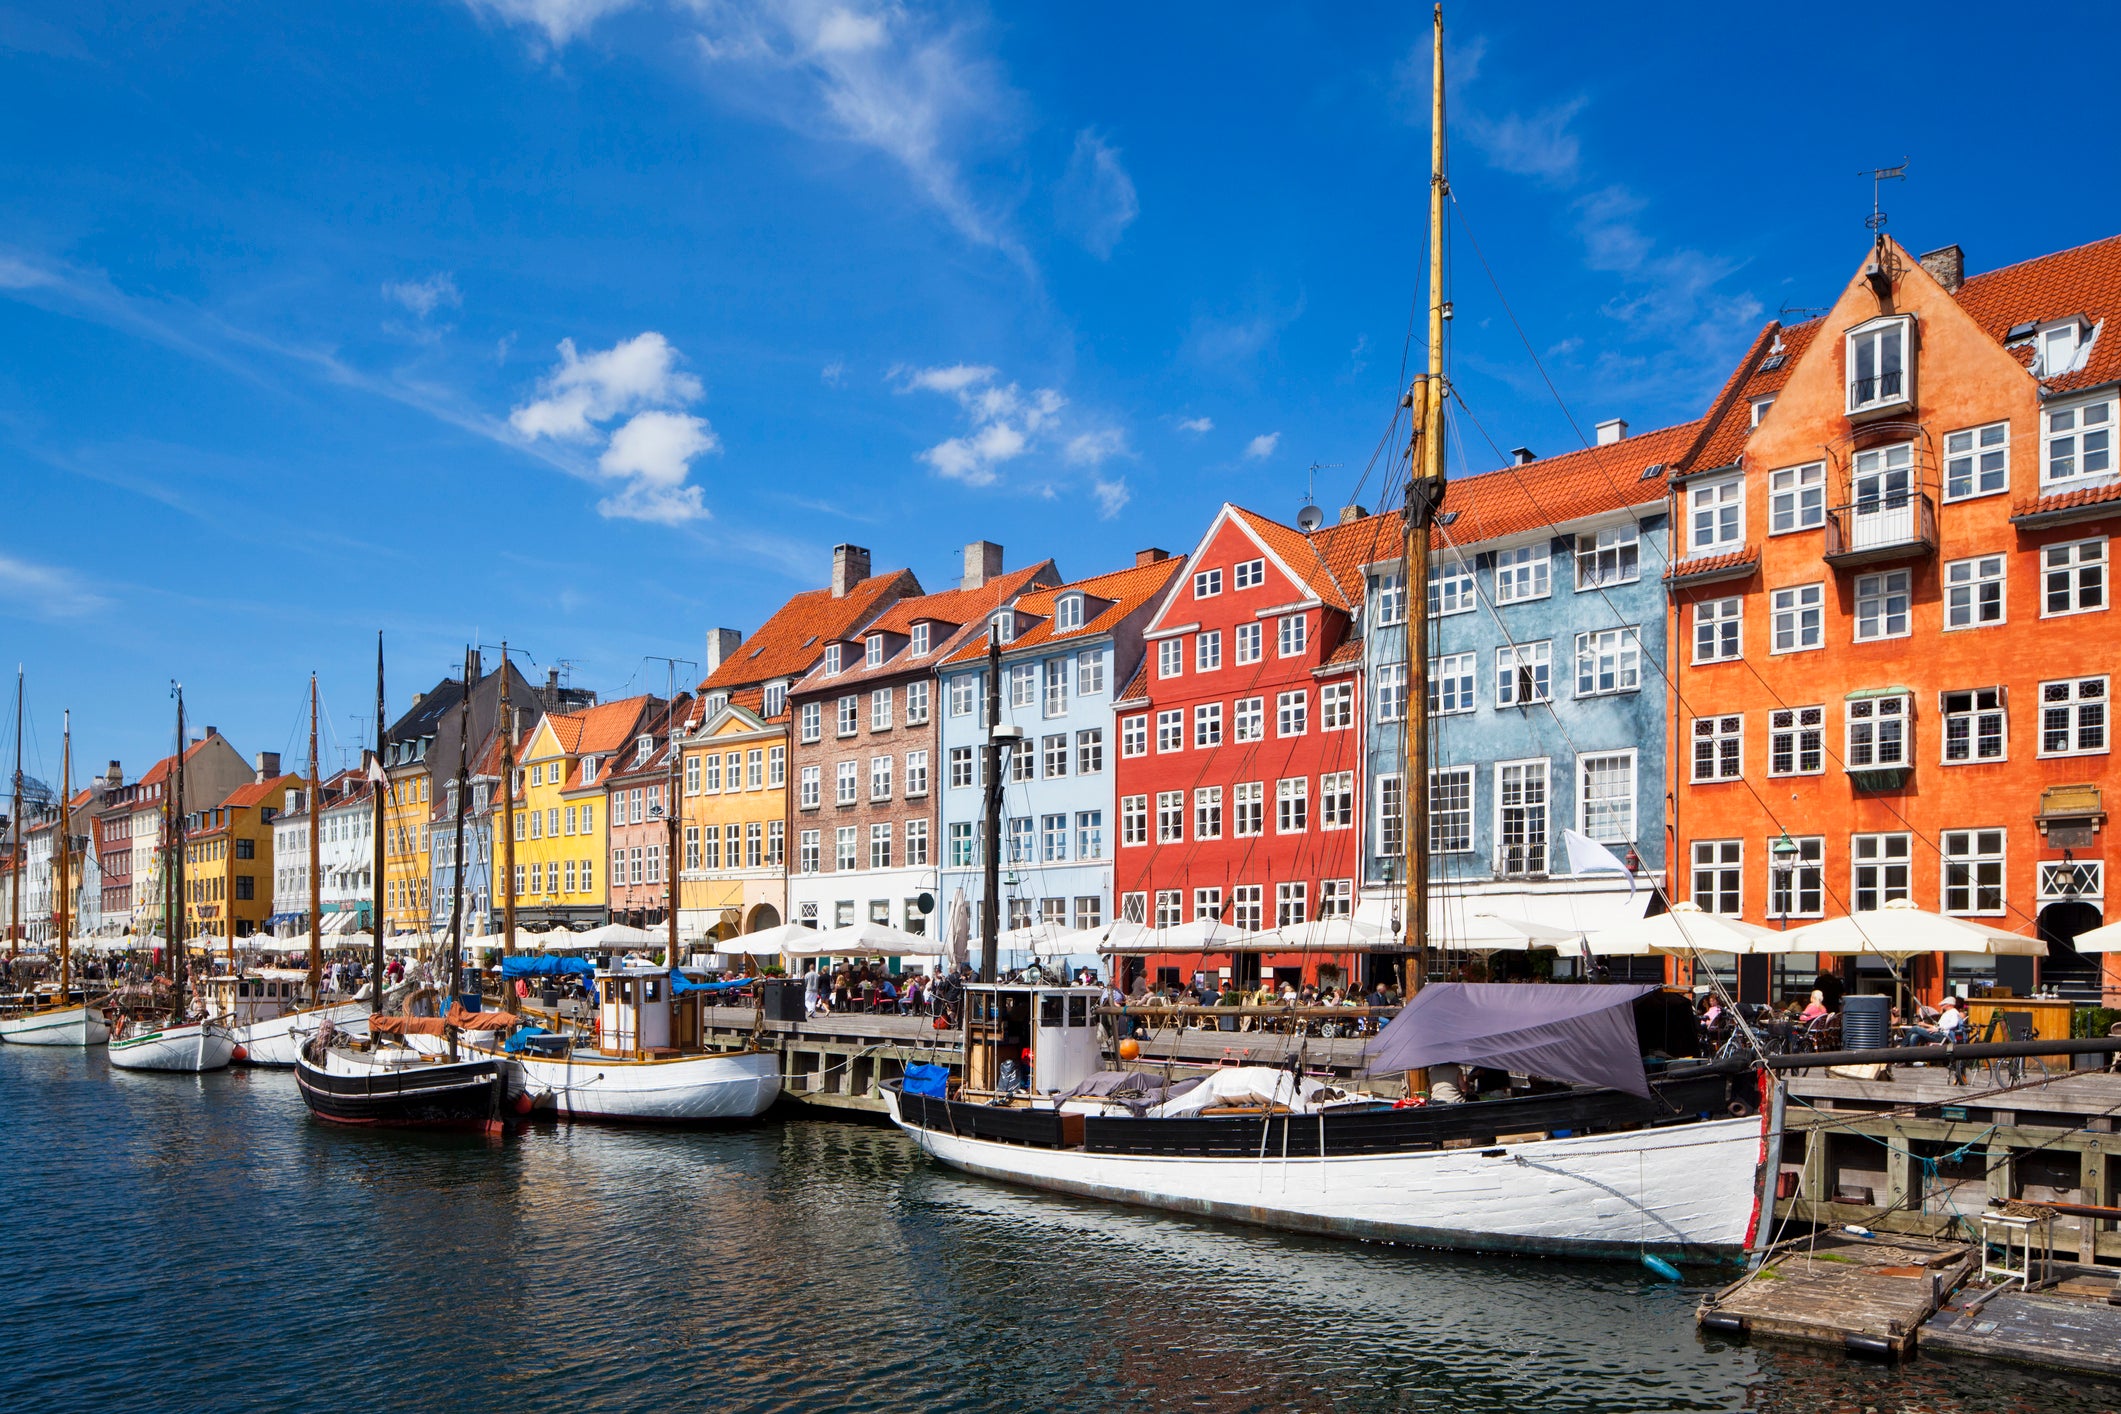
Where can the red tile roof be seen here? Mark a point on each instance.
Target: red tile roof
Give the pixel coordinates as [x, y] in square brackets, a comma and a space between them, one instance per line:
[601, 730]
[1123, 592]
[1305, 559]
[262, 792]
[2082, 497]
[789, 643]
[2085, 280]
[1138, 689]
[965, 609]
[1730, 416]
[161, 770]
[1713, 566]
[1556, 490]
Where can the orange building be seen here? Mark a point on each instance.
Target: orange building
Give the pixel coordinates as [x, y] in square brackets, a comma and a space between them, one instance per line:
[1892, 630]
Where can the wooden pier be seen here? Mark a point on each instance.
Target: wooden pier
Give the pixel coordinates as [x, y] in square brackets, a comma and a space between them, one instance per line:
[1866, 1296]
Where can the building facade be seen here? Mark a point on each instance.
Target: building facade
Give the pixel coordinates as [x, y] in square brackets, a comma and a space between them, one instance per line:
[228, 862]
[212, 769]
[639, 795]
[561, 835]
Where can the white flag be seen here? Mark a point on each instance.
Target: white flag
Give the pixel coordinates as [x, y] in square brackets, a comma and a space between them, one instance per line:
[1588, 856]
[376, 773]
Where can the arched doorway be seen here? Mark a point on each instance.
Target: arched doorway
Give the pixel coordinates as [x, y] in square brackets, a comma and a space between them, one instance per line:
[761, 918]
[2071, 973]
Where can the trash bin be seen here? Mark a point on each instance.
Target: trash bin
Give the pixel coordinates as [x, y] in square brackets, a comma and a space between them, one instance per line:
[1866, 1021]
[783, 999]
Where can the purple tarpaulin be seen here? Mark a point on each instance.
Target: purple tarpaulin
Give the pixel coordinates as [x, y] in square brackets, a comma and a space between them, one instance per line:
[1584, 1034]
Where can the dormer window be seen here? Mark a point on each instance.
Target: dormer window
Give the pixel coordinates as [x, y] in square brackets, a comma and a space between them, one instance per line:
[2061, 348]
[2079, 445]
[873, 652]
[1760, 407]
[1879, 364]
[589, 770]
[642, 745]
[1068, 613]
[716, 701]
[1004, 627]
[832, 658]
[920, 640]
[775, 699]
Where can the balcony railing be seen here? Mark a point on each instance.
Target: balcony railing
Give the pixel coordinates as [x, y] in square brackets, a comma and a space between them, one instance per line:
[1884, 389]
[1894, 527]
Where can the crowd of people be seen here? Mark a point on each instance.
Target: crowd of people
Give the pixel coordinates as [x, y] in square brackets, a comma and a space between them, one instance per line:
[1813, 1023]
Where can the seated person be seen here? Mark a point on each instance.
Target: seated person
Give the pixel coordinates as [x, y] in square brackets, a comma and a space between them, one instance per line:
[1950, 1026]
[1815, 1009]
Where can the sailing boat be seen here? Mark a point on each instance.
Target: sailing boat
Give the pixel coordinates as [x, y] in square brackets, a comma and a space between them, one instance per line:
[68, 1022]
[267, 1034]
[189, 1047]
[1606, 1164]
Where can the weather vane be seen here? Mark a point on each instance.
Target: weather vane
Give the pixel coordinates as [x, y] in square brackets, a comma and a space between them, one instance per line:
[1876, 221]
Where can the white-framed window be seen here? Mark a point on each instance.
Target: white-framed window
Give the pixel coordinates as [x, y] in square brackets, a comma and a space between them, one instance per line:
[1248, 719]
[1336, 898]
[880, 778]
[962, 771]
[1609, 556]
[1973, 592]
[1292, 805]
[1523, 573]
[964, 848]
[1878, 363]
[1388, 815]
[844, 783]
[2073, 577]
[1388, 599]
[1977, 461]
[1451, 587]
[1244, 908]
[1524, 674]
[916, 773]
[916, 843]
[692, 775]
[916, 703]
[1208, 813]
[1089, 751]
[1719, 876]
[1207, 725]
[1249, 637]
[921, 639]
[1003, 627]
[1053, 840]
[1055, 750]
[1170, 657]
[1170, 904]
[1293, 634]
[1974, 725]
[1880, 733]
[1056, 695]
[1336, 800]
[1089, 834]
[1023, 762]
[846, 848]
[1715, 515]
[848, 718]
[1171, 730]
[2079, 443]
[1023, 684]
[2063, 880]
[1020, 834]
[1717, 625]
[1605, 796]
[712, 767]
[832, 658]
[1451, 810]
[1248, 808]
[1388, 688]
[808, 851]
[2073, 717]
[810, 787]
[1170, 816]
[1797, 498]
[1520, 817]
[1719, 748]
[873, 651]
[1207, 584]
[1208, 651]
[1250, 574]
[774, 700]
[1759, 407]
[880, 709]
[1796, 741]
[1134, 819]
[1291, 905]
[879, 846]
[1797, 618]
[1608, 660]
[1799, 890]
[965, 693]
[1882, 605]
[1973, 872]
[1336, 706]
[1090, 672]
[1134, 736]
[1068, 613]
[2059, 349]
[777, 766]
[1292, 713]
[1879, 870]
[1450, 685]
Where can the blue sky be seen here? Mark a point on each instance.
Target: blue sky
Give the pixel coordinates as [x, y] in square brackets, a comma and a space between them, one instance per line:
[596, 323]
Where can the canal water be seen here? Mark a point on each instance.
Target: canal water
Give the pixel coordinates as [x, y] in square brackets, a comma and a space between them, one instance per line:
[198, 1243]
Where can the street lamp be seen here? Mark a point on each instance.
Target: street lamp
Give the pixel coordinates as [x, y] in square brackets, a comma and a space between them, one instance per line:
[1783, 861]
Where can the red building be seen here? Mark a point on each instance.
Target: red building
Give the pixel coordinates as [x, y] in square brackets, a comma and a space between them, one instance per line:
[1240, 747]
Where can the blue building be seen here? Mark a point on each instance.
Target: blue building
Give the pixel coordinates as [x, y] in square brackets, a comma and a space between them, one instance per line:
[1066, 655]
[1547, 692]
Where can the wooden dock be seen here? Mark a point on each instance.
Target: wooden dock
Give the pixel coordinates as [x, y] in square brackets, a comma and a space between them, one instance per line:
[2072, 1324]
[1868, 1297]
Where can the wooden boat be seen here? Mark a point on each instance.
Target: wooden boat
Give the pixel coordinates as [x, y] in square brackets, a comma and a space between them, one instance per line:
[397, 1087]
[71, 1018]
[76, 1021]
[187, 1047]
[264, 1010]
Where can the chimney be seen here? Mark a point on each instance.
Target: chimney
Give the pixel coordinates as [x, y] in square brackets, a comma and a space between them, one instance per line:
[268, 766]
[722, 644]
[211, 733]
[1351, 514]
[552, 681]
[1611, 430]
[418, 698]
[1948, 265]
[1150, 556]
[850, 566]
[983, 561]
[1525, 456]
[113, 777]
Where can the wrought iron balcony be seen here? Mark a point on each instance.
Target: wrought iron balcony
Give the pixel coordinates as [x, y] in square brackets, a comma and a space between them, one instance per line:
[1899, 526]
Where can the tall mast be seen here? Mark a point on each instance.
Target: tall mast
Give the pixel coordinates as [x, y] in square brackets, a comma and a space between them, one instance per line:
[378, 777]
[456, 856]
[990, 904]
[316, 880]
[507, 827]
[65, 846]
[175, 834]
[14, 822]
[670, 822]
[1425, 488]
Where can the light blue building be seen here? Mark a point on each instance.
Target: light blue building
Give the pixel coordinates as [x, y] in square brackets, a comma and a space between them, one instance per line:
[1066, 655]
[1547, 693]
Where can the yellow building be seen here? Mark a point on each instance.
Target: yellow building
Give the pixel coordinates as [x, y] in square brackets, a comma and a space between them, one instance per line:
[560, 826]
[228, 857]
[408, 808]
[734, 812]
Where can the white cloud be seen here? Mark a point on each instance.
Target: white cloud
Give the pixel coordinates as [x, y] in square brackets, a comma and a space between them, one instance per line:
[658, 447]
[1096, 201]
[1535, 145]
[1262, 446]
[1112, 497]
[833, 374]
[653, 450]
[1097, 447]
[951, 378]
[1197, 425]
[1671, 292]
[424, 297]
[561, 20]
[46, 591]
[1005, 423]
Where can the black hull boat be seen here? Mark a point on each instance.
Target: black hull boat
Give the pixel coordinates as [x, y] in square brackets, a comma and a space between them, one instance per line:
[356, 1088]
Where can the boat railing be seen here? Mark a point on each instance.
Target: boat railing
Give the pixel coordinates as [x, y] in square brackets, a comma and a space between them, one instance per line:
[1290, 1020]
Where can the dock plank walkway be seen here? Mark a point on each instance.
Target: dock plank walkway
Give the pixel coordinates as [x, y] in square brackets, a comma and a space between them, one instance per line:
[1865, 1297]
[2058, 1332]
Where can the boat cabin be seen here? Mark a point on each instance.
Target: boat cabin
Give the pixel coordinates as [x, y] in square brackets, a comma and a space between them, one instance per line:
[251, 997]
[1055, 1025]
[638, 1016]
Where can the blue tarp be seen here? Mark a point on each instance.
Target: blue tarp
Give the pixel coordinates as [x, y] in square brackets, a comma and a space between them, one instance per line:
[930, 1080]
[539, 965]
[523, 1037]
[680, 984]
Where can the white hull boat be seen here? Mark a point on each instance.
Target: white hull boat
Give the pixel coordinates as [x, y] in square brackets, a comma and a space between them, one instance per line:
[75, 1026]
[192, 1048]
[680, 1089]
[278, 1040]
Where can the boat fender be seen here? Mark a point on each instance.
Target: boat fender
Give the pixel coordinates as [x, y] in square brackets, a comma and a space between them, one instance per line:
[1411, 1102]
[1875, 1347]
[240, 1054]
[1661, 1267]
[522, 1103]
[1725, 1321]
[1856, 1231]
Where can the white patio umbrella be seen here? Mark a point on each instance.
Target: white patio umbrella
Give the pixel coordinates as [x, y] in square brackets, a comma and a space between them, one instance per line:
[958, 931]
[767, 942]
[1119, 936]
[1902, 930]
[1038, 939]
[1498, 932]
[617, 935]
[864, 940]
[1322, 935]
[2107, 939]
[1201, 935]
[1686, 929]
